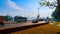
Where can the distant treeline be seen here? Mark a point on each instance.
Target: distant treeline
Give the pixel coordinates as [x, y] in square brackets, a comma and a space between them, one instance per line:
[16, 18]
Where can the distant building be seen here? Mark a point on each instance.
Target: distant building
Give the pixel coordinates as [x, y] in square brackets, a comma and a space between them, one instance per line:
[20, 19]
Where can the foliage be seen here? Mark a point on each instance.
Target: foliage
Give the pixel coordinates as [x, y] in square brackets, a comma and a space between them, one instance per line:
[53, 4]
[6, 18]
[55, 14]
[48, 3]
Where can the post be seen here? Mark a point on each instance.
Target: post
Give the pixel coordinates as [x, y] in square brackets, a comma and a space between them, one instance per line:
[38, 13]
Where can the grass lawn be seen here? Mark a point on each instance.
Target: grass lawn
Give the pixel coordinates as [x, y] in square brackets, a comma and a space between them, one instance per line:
[44, 29]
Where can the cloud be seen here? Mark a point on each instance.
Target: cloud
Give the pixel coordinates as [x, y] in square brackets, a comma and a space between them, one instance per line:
[11, 4]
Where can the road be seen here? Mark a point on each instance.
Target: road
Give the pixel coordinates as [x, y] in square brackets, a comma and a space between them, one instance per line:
[41, 29]
[11, 24]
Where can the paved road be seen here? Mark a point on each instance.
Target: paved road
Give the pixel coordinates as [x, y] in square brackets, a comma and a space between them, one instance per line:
[12, 25]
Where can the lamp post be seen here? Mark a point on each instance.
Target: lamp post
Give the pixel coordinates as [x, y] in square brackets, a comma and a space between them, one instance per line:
[38, 13]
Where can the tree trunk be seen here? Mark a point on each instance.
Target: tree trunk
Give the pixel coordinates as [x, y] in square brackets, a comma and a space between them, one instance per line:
[58, 1]
[58, 5]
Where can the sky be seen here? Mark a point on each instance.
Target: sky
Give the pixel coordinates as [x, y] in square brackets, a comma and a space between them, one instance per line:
[27, 8]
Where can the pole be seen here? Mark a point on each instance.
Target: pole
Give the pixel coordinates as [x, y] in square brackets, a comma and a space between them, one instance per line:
[38, 10]
[38, 13]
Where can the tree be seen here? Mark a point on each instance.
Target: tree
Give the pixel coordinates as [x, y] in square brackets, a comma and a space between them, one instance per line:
[7, 18]
[48, 3]
[56, 13]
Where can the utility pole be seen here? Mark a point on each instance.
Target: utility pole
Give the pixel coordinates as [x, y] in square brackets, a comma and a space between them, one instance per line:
[38, 10]
[38, 13]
